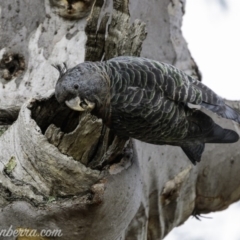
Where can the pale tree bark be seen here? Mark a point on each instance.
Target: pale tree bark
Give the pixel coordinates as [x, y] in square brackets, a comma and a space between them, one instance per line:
[62, 170]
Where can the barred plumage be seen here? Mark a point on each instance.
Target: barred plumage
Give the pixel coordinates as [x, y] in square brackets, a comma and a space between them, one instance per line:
[149, 101]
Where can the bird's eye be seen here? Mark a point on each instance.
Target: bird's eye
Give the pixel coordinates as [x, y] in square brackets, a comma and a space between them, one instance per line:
[75, 86]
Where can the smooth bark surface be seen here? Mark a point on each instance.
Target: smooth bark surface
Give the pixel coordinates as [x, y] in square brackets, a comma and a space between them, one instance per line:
[65, 170]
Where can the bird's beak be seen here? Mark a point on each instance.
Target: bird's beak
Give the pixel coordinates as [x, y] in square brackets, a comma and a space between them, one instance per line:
[78, 104]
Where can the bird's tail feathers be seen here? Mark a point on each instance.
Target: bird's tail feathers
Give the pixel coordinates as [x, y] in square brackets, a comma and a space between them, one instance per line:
[224, 111]
[221, 135]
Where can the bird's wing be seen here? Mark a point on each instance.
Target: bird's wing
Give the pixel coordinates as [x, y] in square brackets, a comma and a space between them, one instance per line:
[137, 94]
[173, 84]
[146, 111]
[189, 90]
[150, 115]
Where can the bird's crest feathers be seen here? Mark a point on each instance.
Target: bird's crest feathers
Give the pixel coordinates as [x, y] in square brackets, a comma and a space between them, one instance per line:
[61, 69]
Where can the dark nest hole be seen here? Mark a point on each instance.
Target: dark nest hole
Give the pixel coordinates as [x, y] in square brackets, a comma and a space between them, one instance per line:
[12, 64]
[9, 115]
[91, 149]
[47, 112]
[73, 9]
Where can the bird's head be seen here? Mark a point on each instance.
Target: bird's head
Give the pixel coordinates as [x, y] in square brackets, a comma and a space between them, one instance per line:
[82, 88]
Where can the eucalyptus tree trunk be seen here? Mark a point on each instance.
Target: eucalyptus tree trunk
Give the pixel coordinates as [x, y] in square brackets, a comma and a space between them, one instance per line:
[62, 170]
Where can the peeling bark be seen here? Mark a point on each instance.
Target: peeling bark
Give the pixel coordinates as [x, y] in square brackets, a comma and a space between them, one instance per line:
[61, 169]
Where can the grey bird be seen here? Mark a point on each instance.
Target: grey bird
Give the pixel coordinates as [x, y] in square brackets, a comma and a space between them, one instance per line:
[147, 100]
